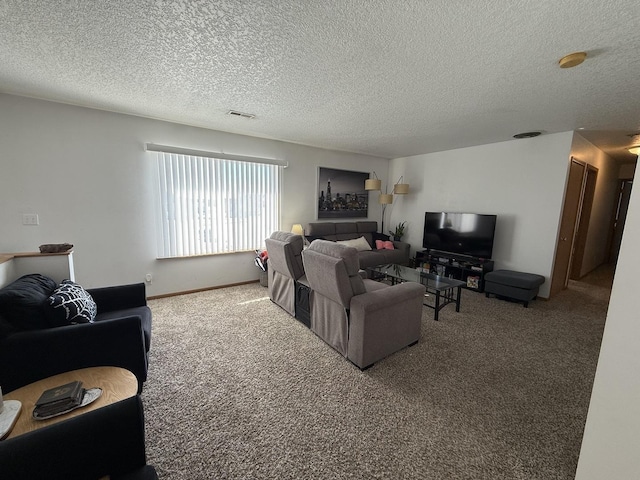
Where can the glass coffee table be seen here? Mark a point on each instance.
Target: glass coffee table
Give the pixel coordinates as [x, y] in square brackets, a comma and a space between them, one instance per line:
[446, 290]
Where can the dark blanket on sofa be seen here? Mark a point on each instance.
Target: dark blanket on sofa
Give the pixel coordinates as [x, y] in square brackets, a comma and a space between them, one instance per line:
[23, 304]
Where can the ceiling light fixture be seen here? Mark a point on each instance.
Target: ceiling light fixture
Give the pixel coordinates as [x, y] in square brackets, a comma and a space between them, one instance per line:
[572, 60]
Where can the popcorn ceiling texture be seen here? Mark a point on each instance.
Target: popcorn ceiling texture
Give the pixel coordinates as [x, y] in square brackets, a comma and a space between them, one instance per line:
[382, 77]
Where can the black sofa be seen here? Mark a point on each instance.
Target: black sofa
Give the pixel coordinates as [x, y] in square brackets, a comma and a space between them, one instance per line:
[106, 441]
[34, 343]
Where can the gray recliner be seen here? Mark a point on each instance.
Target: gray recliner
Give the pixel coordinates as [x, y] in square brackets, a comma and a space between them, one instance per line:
[285, 267]
[363, 320]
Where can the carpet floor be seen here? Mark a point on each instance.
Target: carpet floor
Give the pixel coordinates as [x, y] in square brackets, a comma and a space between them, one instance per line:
[238, 389]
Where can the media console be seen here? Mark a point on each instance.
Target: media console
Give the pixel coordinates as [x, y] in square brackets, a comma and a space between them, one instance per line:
[470, 270]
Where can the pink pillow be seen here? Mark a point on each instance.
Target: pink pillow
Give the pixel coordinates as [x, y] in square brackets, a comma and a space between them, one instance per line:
[381, 245]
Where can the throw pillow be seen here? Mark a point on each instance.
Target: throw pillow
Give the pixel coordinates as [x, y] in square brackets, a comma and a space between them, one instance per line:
[70, 303]
[384, 245]
[359, 244]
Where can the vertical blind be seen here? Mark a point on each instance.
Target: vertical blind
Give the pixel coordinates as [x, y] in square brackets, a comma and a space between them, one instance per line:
[210, 205]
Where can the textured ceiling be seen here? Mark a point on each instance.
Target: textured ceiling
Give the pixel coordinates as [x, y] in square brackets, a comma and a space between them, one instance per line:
[389, 78]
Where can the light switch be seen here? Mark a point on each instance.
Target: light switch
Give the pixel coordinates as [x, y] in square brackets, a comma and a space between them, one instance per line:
[30, 219]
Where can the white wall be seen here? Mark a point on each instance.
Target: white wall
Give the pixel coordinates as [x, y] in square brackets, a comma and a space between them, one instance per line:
[522, 181]
[87, 176]
[612, 431]
[7, 272]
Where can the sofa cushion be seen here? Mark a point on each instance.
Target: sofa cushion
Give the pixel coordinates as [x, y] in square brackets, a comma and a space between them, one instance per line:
[143, 312]
[326, 230]
[70, 303]
[359, 244]
[346, 230]
[6, 328]
[367, 227]
[23, 303]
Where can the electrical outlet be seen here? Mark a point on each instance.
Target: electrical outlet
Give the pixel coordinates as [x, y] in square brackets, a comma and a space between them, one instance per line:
[30, 219]
[148, 277]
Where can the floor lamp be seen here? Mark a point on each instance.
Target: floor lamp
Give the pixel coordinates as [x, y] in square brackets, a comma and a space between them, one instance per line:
[374, 183]
[384, 199]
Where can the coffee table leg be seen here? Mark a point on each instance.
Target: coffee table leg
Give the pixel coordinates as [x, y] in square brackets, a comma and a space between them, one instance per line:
[458, 299]
[437, 306]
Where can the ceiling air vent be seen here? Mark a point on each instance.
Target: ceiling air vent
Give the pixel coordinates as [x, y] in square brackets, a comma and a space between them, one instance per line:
[527, 135]
[236, 113]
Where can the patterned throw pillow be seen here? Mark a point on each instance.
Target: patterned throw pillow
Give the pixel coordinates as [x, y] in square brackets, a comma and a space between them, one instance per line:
[72, 304]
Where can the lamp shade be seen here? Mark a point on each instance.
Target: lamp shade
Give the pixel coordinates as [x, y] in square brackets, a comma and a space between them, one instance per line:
[401, 188]
[297, 229]
[635, 150]
[385, 199]
[372, 184]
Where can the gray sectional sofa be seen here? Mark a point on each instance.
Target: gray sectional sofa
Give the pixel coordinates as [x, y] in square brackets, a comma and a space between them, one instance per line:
[340, 231]
[365, 321]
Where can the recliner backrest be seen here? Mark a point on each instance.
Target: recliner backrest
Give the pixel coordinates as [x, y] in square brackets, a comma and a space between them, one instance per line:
[333, 271]
[285, 253]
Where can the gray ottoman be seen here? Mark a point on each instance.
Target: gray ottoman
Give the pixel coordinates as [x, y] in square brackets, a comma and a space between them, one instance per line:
[518, 286]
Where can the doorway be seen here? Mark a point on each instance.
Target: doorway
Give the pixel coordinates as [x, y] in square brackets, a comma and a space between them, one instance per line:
[619, 217]
[584, 215]
[568, 224]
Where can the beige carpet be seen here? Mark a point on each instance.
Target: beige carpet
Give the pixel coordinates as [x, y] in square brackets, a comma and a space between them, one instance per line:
[238, 389]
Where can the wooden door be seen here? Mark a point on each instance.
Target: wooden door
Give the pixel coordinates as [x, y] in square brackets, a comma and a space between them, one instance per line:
[619, 219]
[588, 194]
[561, 264]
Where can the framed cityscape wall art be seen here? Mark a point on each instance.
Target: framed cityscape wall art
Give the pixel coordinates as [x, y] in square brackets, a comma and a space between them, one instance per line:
[341, 194]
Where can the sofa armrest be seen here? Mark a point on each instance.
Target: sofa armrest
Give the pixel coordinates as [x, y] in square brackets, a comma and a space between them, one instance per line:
[402, 246]
[384, 321]
[105, 441]
[119, 297]
[29, 356]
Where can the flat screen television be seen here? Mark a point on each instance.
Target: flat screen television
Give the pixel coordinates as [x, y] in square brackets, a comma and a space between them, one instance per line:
[461, 233]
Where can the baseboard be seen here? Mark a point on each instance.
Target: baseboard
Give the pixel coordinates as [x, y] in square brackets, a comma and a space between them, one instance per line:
[186, 292]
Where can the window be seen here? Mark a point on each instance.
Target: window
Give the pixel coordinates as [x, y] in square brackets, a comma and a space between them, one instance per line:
[215, 205]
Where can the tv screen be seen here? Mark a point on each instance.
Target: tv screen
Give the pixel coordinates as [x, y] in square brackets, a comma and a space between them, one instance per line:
[462, 233]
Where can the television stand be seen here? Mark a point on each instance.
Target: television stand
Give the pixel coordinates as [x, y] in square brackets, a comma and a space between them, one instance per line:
[470, 270]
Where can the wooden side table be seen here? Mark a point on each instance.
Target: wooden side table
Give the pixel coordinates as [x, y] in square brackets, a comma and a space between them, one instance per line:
[116, 384]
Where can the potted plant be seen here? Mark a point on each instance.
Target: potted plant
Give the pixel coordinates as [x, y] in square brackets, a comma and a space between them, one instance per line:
[399, 232]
